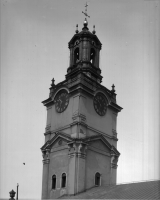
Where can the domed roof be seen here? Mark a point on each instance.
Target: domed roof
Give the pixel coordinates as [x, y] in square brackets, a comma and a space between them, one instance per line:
[85, 33]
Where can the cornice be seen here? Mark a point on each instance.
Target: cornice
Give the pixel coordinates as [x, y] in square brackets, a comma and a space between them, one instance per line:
[79, 68]
[84, 83]
[115, 107]
[102, 133]
[45, 102]
[55, 131]
[83, 123]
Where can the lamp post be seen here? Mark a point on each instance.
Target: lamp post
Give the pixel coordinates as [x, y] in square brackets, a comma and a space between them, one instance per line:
[17, 190]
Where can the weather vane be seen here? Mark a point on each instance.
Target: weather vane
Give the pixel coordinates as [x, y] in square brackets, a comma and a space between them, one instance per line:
[85, 13]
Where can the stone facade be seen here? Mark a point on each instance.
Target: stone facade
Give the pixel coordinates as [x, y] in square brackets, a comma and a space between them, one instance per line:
[80, 136]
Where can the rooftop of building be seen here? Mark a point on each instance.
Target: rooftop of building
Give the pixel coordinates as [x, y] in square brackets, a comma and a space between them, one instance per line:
[136, 190]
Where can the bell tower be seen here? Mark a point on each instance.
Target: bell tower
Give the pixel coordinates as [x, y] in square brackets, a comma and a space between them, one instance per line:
[80, 149]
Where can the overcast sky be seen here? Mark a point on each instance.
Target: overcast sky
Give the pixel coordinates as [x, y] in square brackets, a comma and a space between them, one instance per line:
[34, 49]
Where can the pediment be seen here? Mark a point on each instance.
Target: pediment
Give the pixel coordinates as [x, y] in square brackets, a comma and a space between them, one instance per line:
[58, 140]
[98, 144]
[102, 144]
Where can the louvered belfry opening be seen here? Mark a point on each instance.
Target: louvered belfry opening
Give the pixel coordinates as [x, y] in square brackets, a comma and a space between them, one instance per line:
[76, 55]
[92, 56]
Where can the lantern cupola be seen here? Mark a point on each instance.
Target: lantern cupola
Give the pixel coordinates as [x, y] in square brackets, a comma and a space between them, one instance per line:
[85, 53]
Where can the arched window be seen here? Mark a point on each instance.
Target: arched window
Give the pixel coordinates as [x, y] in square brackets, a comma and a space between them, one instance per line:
[92, 56]
[63, 180]
[76, 55]
[97, 179]
[54, 182]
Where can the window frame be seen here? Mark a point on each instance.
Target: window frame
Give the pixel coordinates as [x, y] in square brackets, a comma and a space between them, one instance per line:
[97, 175]
[62, 180]
[54, 177]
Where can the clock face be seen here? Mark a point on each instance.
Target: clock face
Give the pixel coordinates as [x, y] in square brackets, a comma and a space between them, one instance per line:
[61, 102]
[100, 104]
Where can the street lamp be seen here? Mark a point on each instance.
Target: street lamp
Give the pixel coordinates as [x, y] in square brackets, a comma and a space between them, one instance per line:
[17, 190]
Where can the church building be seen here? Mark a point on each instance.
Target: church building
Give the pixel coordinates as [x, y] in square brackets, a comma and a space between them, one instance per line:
[80, 149]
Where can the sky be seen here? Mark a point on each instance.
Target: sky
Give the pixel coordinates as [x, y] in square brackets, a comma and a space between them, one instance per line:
[34, 49]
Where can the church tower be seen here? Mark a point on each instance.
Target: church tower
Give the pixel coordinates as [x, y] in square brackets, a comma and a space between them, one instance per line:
[80, 149]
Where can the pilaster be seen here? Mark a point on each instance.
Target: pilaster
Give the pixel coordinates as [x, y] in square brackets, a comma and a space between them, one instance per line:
[77, 162]
[113, 167]
[46, 161]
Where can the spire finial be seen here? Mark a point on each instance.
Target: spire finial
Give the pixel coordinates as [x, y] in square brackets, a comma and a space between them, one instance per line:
[93, 29]
[53, 84]
[77, 28]
[85, 12]
[113, 90]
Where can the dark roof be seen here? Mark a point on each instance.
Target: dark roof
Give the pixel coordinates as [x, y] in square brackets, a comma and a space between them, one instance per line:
[139, 190]
[85, 33]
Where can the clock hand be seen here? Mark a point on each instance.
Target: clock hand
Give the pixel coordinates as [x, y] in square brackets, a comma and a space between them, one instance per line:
[60, 101]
